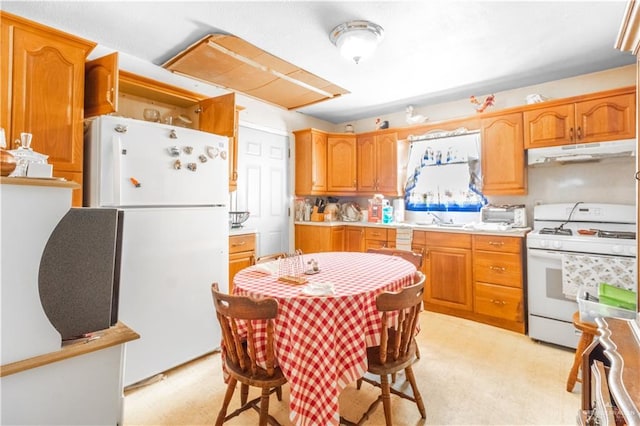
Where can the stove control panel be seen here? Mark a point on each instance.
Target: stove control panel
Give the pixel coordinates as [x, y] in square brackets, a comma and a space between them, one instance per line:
[586, 245]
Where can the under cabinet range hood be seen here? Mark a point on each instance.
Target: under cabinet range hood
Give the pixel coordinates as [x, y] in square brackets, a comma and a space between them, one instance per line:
[581, 152]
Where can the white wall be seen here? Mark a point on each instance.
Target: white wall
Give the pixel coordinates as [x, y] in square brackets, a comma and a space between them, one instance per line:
[587, 83]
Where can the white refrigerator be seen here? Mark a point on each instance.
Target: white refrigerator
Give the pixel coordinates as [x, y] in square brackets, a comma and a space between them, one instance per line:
[170, 185]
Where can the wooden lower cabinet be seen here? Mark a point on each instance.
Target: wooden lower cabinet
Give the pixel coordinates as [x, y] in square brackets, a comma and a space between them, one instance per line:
[375, 237]
[498, 301]
[448, 269]
[498, 281]
[477, 277]
[318, 238]
[242, 253]
[354, 238]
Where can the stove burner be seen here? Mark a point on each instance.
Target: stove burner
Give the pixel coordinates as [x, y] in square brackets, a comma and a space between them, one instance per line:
[617, 234]
[555, 231]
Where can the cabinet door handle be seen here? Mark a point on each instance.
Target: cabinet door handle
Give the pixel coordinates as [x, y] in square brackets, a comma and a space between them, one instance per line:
[241, 243]
[496, 243]
[579, 132]
[498, 302]
[571, 133]
[497, 268]
[637, 175]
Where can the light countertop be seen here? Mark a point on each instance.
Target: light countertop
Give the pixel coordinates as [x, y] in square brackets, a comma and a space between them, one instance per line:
[514, 232]
[242, 231]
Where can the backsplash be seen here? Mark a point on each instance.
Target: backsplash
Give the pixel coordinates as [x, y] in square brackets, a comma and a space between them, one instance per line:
[607, 181]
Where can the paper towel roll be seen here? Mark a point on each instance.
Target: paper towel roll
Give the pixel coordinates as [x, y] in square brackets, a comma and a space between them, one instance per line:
[398, 209]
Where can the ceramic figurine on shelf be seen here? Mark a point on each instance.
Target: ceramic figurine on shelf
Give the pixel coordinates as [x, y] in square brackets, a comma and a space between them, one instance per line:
[414, 119]
[481, 106]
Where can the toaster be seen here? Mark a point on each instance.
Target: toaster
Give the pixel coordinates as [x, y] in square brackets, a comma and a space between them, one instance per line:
[514, 215]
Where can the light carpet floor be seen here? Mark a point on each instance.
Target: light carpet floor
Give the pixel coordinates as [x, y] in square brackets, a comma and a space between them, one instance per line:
[468, 374]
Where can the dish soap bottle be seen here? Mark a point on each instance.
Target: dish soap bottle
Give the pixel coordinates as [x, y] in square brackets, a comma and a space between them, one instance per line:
[387, 212]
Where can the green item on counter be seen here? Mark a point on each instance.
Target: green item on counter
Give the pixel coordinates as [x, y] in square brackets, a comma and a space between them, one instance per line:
[618, 297]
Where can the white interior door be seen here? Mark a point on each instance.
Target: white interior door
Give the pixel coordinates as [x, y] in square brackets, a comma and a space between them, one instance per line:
[262, 187]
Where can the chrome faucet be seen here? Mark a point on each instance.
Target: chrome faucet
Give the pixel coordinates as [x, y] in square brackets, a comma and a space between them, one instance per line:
[438, 219]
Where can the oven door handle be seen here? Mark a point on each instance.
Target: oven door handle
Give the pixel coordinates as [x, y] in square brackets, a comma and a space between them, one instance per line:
[546, 254]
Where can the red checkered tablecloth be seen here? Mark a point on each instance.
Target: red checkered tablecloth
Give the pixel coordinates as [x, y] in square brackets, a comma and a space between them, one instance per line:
[321, 342]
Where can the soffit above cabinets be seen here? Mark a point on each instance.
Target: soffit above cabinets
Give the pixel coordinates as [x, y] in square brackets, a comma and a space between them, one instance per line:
[230, 62]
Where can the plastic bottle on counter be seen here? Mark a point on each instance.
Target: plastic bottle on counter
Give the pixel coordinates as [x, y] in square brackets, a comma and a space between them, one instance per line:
[387, 212]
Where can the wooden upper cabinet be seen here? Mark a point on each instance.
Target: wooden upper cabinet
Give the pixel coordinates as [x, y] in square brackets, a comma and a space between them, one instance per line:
[42, 92]
[220, 115]
[341, 164]
[310, 162]
[387, 164]
[381, 162]
[503, 155]
[366, 163]
[606, 119]
[603, 118]
[549, 126]
[109, 89]
[101, 86]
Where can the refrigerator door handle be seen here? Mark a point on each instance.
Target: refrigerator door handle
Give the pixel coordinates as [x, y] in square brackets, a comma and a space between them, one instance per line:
[117, 152]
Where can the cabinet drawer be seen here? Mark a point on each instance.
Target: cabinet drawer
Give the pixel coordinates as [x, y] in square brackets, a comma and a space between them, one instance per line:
[497, 243]
[498, 268]
[498, 301]
[377, 234]
[244, 242]
[447, 239]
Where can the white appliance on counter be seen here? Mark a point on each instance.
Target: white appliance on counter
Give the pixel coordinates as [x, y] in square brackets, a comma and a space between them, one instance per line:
[600, 234]
[170, 187]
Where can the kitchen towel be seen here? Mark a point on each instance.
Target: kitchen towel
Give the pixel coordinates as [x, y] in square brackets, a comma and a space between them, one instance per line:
[587, 271]
[318, 289]
[403, 238]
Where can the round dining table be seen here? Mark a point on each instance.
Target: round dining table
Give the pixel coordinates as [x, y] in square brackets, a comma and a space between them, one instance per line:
[321, 337]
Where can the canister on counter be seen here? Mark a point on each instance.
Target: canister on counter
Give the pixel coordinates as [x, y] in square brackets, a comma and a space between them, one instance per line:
[375, 208]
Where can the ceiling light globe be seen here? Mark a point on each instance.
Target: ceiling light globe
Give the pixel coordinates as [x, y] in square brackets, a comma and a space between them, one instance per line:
[356, 39]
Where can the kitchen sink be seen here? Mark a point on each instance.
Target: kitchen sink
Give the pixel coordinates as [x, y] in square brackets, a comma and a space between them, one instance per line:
[449, 225]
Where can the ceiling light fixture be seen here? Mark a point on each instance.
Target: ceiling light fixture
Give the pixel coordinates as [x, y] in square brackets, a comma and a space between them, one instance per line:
[356, 39]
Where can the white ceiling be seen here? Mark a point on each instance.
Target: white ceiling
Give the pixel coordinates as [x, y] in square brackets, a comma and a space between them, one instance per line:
[433, 51]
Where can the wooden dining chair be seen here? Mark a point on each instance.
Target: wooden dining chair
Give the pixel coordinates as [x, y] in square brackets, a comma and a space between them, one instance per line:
[397, 349]
[270, 257]
[240, 352]
[411, 256]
